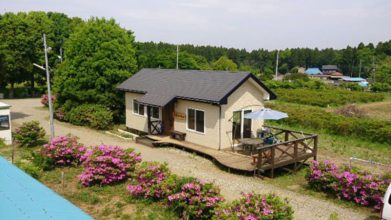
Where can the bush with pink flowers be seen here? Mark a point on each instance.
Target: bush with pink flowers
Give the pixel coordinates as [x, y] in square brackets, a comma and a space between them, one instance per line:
[196, 200]
[64, 150]
[45, 99]
[106, 164]
[361, 188]
[255, 207]
[148, 181]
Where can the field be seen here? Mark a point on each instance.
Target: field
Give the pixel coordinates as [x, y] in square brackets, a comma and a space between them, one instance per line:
[378, 110]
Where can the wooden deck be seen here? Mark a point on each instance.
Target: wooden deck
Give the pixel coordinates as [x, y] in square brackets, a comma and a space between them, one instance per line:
[294, 150]
[230, 160]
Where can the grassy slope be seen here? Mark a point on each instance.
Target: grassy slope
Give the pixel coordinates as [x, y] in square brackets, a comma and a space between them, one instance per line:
[109, 202]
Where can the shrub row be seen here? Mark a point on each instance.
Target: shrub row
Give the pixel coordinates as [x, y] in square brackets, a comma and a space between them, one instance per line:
[360, 188]
[189, 197]
[296, 84]
[194, 199]
[326, 97]
[317, 118]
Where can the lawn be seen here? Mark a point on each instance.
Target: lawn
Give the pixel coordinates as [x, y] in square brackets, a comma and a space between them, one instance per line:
[108, 202]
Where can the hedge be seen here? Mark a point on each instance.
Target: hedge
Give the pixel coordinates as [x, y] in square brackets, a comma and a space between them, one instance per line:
[91, 115]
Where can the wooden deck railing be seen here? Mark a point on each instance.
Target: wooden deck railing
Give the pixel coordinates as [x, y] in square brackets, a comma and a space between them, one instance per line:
[155, 127]
[294, 150]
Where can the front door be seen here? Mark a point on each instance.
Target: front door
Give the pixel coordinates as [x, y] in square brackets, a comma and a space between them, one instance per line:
[168, 118]
[241, 127]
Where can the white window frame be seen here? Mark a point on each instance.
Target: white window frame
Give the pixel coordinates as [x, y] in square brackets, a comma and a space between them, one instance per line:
[195, 121]
[137, 113]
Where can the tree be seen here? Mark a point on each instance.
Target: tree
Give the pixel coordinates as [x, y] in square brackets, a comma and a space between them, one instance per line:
[99, 55]
[224, 63]
[14, 44]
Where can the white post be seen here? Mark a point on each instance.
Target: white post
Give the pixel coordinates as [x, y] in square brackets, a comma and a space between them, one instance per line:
[177, 56]
[278, 53]
[49, 90]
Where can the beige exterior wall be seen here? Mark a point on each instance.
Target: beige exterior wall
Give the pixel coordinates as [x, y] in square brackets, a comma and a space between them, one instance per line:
[210, 137]
[134, 121]
[248, 96]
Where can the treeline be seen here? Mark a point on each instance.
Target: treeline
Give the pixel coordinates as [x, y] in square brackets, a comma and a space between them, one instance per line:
[262, 61]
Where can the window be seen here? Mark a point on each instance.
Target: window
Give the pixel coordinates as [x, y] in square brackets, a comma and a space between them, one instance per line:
[138, 108]
[195, 120]
[4, 122]
[155, 112]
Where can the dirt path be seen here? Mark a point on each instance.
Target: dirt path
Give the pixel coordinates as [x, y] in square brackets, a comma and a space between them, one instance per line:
[182, 163]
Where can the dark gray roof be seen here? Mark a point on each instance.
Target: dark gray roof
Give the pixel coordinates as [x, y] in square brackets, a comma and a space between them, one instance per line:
[161, 86]
[329, 67]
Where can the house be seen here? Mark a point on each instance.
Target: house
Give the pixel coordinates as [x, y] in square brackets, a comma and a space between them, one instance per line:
[313, 71]
[328, 69]
[207, 107]
[5, 123]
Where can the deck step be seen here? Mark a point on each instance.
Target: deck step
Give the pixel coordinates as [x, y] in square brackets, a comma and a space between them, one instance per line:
[145, 141]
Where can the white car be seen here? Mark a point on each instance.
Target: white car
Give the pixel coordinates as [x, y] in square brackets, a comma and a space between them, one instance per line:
[386, 212]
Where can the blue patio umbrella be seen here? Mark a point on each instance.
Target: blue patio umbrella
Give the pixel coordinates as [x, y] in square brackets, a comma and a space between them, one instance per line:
[265, 114]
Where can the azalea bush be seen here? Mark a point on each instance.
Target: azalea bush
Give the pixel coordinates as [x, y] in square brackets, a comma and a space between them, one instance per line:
[91, 115]
[361, 188]
[256, 207]
[196, 200]
[45, 100]
[29, 134]
[106, 164]
[64, 150]
[148, 181]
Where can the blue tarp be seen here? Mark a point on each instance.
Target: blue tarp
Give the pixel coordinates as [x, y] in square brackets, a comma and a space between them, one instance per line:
[313, 71]
[23, 197]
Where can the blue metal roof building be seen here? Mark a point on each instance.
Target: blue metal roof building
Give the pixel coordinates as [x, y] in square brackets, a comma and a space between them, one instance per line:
[313, 71]
[23, 197]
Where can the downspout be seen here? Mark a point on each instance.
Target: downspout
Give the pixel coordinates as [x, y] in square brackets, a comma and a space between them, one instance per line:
[219, 127]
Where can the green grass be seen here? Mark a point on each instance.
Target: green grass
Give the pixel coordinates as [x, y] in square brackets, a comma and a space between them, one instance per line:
[107, 202]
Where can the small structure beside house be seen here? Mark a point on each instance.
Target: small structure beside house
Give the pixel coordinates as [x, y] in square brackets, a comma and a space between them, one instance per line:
[360, 81]
[5, 123]
[202, 107]
[329, 69]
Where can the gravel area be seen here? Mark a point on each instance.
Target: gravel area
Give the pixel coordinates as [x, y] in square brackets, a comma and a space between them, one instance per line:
[182, 163]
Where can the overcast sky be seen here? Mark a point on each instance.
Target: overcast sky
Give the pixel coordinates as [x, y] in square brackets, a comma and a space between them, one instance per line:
[250, 24]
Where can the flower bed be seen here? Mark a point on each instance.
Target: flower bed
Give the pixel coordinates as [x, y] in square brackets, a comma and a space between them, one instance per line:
[360, 188]
[106, 164]
[64, 150]
[254, 206]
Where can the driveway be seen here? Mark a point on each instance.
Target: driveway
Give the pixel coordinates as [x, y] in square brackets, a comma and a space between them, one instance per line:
[182, 163]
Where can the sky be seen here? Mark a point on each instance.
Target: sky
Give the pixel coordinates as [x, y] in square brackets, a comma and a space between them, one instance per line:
[249, 24]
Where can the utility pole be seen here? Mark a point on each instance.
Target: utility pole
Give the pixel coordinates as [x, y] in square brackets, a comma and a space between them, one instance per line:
[373, 68]
[359, 70]
[60, 57]
[278, 54]
[177, 56]
[49, 90]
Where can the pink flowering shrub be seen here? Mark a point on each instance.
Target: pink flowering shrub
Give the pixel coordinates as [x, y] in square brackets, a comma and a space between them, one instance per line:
[254, 206]
[64, 150]
[149, 179]
[106, 164]
[361, 188]
[196, 200]
[45, 99]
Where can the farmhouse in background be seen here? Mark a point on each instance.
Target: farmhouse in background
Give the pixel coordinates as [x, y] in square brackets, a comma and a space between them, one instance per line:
[329, 69]
[202, 107]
